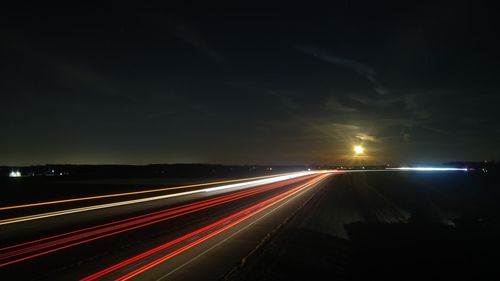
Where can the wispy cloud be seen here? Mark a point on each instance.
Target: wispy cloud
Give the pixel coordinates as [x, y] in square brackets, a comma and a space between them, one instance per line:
[365, 137]
[190, 35]
[362, 69]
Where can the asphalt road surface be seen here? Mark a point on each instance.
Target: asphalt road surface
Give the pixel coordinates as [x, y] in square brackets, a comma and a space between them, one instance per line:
[194, 233]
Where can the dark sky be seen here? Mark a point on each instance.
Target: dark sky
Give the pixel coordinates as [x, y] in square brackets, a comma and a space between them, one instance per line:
[241, 83]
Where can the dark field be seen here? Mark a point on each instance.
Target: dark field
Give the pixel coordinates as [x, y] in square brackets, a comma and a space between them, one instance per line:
[388, 226]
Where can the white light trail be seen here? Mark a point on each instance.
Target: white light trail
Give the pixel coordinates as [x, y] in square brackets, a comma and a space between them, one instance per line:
[236, 186]
[427, 169]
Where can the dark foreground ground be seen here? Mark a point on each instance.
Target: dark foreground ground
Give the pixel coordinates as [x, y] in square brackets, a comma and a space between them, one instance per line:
[388, 226]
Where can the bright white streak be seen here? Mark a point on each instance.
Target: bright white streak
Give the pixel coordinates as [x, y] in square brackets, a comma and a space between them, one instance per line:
[242, 185]
[427, 169]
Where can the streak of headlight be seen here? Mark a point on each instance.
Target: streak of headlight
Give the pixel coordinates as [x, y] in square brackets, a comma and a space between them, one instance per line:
[226, 223]
[126, 193]
[427, 169]
[65, 240]
[142, 200]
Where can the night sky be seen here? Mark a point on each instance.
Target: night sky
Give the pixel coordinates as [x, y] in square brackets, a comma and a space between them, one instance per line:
[247, 84]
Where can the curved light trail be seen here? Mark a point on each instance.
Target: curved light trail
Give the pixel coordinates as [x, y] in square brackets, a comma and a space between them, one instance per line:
[235, 186]
[16, 253]
[139, 264]
[127, 193]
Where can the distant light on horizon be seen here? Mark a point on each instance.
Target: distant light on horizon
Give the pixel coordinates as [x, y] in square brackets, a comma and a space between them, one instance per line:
[428, 169]
[15, 174]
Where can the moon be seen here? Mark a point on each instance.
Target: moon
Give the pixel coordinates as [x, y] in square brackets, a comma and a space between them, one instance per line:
[358, 150]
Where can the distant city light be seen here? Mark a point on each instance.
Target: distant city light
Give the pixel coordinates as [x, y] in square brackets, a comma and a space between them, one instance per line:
[358, 149]
[15, 174]
[427, 169]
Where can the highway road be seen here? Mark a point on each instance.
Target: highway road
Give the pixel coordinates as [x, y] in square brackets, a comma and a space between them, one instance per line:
[196, 232]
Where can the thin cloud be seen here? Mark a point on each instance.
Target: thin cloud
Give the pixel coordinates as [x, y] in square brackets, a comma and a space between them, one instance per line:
[362, 69]
[365, 137]
[188, 34]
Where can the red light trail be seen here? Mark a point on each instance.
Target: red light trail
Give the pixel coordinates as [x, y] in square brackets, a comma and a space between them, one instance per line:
[185, 242]
[28, 250]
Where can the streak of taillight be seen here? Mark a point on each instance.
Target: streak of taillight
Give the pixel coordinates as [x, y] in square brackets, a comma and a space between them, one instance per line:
[106, 224]
[128, 224]
[254, 209]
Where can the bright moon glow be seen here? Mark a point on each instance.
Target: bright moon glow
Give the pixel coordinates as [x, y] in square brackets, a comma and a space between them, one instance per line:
[358, 149]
